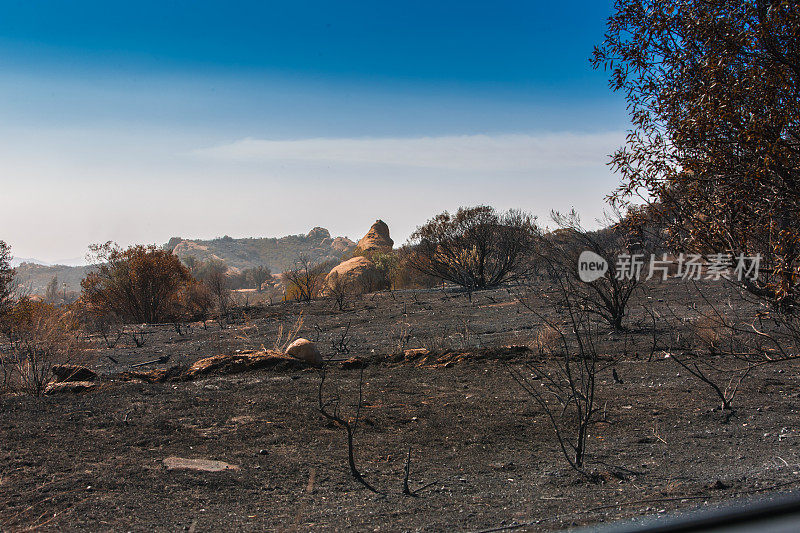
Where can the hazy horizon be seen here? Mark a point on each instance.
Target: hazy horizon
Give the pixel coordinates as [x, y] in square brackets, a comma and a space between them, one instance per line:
[139, 123]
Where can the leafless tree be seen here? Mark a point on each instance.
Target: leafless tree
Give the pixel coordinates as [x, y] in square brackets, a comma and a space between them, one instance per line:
[40, 335]
[721, 344]
[609, 295]
[215, 277]
[330, 410]
[339, 289]
[565, 383]
[6, 277]
[305, 280]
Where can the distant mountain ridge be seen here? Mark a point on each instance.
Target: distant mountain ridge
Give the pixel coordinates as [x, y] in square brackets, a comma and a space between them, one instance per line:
[73, 262]
[279, 254]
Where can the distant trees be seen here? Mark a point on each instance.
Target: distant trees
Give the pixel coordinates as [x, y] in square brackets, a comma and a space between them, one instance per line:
[51, 291]
[388, 266]
[196, 302]
[214, 275]
[205, 270]
[476, 248]
[6, 277]
[257, 276]
[140, 284]
[402, 275]
[191, 263]
[713, 89]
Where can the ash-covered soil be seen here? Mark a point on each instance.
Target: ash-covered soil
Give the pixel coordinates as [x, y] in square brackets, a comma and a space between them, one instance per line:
[483, 452]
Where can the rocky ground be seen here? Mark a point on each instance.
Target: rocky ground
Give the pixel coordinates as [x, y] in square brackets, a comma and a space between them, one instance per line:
[482, 452]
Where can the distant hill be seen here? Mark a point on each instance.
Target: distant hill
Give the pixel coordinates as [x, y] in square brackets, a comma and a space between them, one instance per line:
[17, 261]
[279, 254]
[34, 277]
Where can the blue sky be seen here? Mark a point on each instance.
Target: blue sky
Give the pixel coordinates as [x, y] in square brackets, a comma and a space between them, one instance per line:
[137, 121]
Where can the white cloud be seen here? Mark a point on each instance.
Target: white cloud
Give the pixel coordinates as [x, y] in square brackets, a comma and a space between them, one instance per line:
[66, 189]
[482, 153]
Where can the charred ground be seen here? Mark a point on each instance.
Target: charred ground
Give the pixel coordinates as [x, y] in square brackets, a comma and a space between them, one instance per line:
[483, 454]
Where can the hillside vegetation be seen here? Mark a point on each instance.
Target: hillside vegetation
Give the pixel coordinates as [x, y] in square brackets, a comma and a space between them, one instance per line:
[278, 254]
[34, 277]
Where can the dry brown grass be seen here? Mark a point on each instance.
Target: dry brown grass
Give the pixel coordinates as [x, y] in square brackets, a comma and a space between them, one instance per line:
[548, 340]
[286, 336]
[711, 333]
[40, 335]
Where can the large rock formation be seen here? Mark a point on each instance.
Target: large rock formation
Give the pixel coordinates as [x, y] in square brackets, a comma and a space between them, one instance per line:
[341, 244]
[357, 275]
[318, 234]
[195, 249]
[376, 240]
[279, 254]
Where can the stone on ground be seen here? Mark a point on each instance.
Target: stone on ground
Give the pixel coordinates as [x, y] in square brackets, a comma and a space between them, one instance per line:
[73, 373]
[305, 350]
[203, 465]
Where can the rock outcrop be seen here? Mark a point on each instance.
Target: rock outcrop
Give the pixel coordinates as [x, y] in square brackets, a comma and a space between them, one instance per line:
[357, 275]
[278, 254]
[376, 240]
[318, 234]
[341, 244]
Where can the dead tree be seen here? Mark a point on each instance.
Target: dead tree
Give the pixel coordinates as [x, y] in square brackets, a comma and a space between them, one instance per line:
[339, 289]
[258, 276]
[722, 344]
[564, 387]
[476, 248]
[304, 282]
[608, 296]
[350, 425]
[340, 345]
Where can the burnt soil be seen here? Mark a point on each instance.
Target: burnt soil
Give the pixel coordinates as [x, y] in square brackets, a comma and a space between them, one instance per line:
[483, 452]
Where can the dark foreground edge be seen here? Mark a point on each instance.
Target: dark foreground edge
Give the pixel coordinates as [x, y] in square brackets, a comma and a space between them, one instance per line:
[776, 513]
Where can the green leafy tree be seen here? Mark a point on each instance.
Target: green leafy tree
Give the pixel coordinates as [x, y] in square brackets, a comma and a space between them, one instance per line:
[258, 276]
[713, 89]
